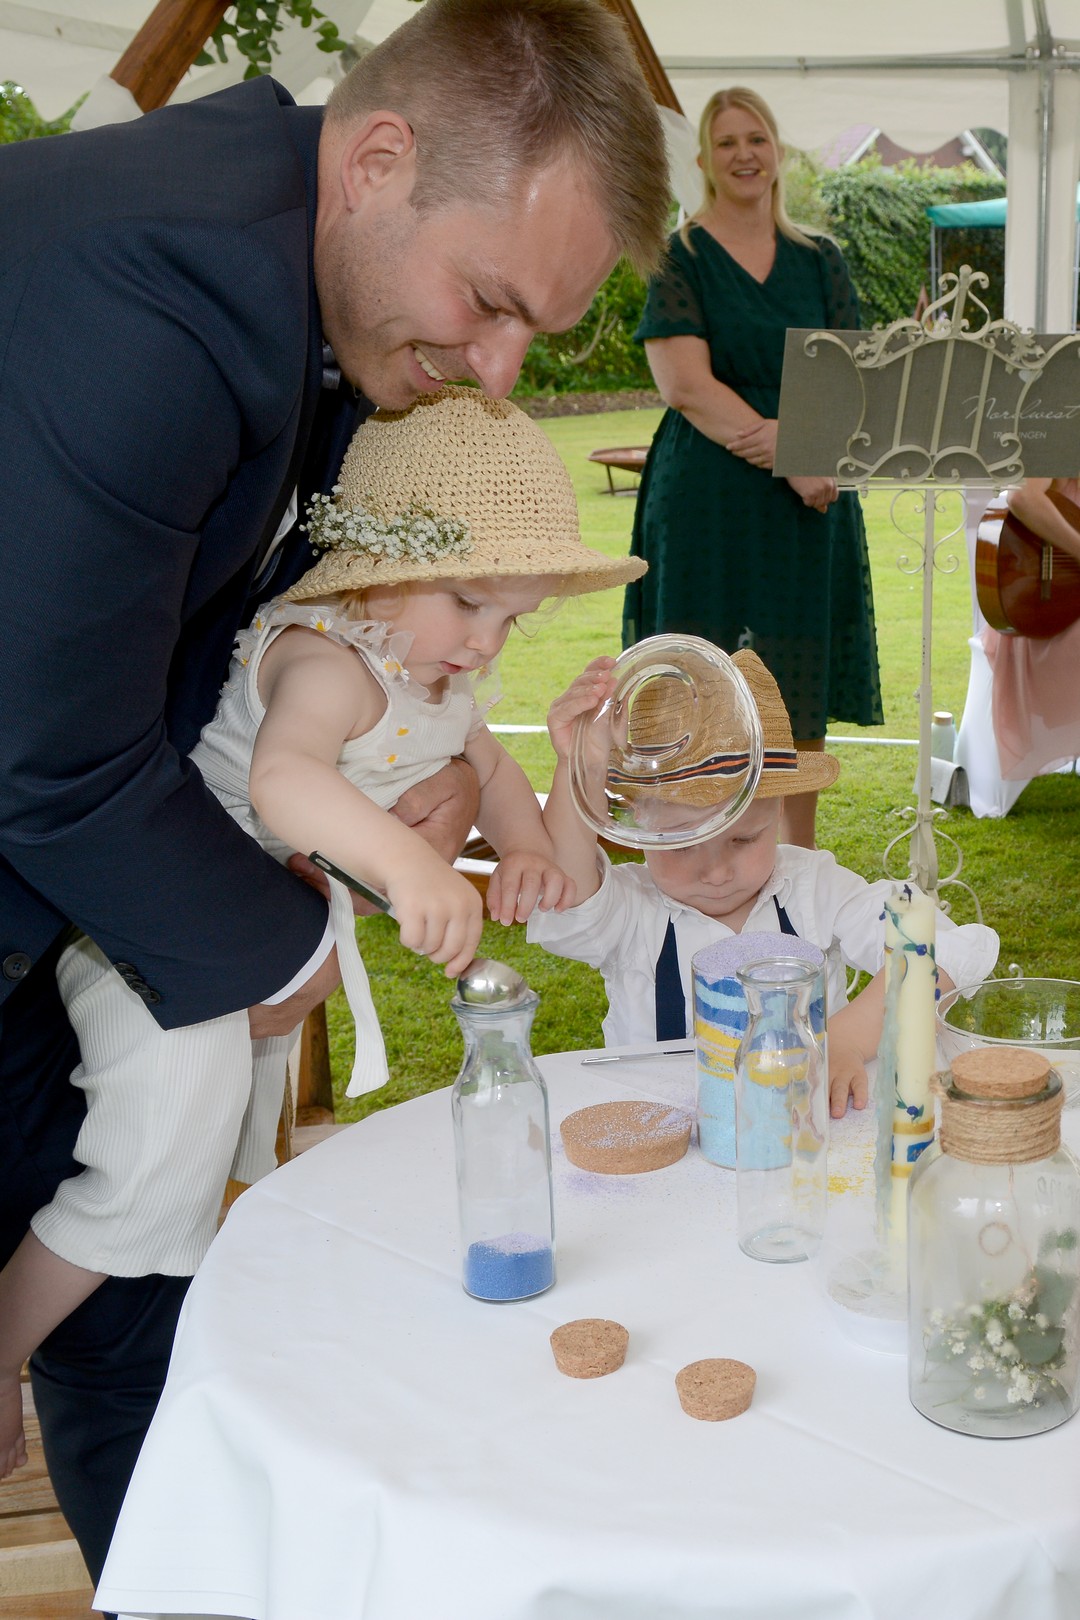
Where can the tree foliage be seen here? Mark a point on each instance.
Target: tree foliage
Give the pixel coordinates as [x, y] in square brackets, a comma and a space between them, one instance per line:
[598, 353]
[878, 216]
[252, 24]
[20, 119]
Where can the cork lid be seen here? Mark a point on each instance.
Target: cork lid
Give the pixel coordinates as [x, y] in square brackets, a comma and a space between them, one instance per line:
[1004, 1072]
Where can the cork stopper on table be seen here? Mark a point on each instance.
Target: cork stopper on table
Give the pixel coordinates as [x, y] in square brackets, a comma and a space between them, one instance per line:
[589, 1347]
[625, 1138]
[716, 1389]
[1004, 1071]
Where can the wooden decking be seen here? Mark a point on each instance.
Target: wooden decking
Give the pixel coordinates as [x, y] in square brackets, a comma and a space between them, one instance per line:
[42, 1575]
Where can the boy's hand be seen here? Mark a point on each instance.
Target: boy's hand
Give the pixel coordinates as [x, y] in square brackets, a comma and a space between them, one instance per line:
[439, 913]
[524, 880]
[847, 1075]
[592, 688]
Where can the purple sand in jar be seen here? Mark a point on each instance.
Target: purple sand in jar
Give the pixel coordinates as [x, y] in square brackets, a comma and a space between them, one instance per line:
[511, 1267]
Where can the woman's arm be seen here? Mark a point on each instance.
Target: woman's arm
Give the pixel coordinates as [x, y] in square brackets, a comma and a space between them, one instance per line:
[682, 369]
[317, 695]
[1032, 504]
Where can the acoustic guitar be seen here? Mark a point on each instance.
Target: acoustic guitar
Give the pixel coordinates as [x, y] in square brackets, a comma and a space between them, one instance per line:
[1025, 586]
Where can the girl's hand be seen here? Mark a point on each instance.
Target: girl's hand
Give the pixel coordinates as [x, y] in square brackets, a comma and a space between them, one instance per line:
[847, 1076]
[439, 913]
[756, 444]
[585, 695]
[818, 493]
[524, 880]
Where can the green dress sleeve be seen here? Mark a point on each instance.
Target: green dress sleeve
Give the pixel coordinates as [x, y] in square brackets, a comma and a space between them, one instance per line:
[674, 306]
[841, 299]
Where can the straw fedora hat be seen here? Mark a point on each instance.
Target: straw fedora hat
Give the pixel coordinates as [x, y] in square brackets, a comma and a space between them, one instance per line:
[704, 775]
[459, 486]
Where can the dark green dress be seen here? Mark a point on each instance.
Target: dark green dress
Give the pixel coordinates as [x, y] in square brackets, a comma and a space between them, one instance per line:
[733, 553]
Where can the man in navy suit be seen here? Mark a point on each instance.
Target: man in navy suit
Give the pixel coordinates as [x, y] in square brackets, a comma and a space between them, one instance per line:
[194, 308]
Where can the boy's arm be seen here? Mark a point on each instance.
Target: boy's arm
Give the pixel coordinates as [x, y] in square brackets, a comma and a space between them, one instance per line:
[573, 840]
[854, 1038]
[317, 694]
[509, 818]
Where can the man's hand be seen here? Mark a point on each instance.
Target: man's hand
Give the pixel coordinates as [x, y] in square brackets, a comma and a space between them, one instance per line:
[523, 880]
[285, 1016]
[442, 808]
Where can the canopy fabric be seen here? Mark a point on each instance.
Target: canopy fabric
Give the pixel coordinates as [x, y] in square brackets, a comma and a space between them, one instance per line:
[992, 211]
[920, 72]
[952, 216]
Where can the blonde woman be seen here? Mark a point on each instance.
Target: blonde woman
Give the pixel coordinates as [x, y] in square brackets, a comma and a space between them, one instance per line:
[735, 554]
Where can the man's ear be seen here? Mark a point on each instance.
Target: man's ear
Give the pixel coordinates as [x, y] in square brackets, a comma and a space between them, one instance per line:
[379, 156]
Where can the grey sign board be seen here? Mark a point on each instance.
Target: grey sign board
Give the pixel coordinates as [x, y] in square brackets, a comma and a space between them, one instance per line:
[909, 404]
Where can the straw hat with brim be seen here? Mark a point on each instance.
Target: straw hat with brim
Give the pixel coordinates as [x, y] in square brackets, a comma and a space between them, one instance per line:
[717, 759]
[459, 486]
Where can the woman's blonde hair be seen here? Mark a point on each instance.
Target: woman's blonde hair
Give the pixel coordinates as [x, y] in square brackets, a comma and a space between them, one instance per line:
[750, 102]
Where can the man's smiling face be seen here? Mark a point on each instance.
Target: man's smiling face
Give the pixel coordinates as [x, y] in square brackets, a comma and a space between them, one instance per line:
[410, 300]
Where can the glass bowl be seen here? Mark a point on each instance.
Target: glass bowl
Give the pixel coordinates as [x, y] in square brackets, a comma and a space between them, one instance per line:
[674, 755]
[1040, 1014]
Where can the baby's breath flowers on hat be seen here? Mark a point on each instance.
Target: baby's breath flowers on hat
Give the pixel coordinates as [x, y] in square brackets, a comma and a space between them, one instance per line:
[414, 535]
[459, 486]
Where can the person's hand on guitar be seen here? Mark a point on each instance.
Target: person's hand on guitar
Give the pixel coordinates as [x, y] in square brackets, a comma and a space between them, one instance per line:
[1027, 559]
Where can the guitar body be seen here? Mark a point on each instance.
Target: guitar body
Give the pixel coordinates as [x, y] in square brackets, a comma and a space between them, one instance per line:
[1025, 586]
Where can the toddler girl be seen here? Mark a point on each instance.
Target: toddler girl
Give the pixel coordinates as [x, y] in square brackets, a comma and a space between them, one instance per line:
[451, 520]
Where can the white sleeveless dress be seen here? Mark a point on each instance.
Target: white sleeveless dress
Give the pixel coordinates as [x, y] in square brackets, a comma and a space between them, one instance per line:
[171, 1114]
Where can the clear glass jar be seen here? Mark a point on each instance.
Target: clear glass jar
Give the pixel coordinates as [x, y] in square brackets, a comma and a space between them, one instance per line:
[502, 1140]
[781, 1111]
[994, 1264]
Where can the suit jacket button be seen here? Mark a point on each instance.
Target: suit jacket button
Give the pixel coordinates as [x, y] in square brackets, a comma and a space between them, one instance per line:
[126, 971]
[150, 995]
[16, 966]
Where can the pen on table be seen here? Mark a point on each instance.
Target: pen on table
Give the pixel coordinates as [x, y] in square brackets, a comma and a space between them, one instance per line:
[632, 1057]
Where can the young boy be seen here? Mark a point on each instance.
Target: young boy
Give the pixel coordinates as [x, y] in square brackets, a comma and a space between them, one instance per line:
[739, 880]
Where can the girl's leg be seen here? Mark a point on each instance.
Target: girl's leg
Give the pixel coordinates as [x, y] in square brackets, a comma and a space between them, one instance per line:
[797, 823]
[163, 1113]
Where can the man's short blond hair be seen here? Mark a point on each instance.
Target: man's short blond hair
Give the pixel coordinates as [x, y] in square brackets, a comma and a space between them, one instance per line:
[495, 90]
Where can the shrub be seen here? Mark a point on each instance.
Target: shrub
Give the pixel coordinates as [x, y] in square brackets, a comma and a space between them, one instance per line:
[879, 218]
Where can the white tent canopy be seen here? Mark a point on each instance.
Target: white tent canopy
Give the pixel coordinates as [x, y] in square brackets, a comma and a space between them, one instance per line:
[824, 65]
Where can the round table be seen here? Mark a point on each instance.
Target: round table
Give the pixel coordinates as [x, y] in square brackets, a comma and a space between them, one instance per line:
[345, 1435]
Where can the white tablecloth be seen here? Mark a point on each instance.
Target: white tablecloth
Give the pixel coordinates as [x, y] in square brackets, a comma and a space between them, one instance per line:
[345, 1435]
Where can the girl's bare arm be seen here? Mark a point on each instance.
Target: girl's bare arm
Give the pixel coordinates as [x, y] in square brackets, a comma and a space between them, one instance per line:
[317, 695]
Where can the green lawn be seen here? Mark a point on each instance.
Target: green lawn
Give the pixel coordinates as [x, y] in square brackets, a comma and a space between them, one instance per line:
[1025, 869]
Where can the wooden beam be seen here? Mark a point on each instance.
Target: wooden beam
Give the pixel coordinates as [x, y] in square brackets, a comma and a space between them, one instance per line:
[650, 63]
[164, 48]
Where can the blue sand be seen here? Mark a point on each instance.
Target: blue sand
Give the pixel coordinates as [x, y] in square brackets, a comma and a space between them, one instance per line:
[504, 1269]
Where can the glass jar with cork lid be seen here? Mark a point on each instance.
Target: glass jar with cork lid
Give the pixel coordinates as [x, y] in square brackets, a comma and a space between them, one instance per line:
[993, 1257]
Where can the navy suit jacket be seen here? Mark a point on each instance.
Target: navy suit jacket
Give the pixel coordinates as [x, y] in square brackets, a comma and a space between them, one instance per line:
[160, 368]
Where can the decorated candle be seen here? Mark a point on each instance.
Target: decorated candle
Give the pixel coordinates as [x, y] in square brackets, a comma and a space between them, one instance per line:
[906, 1058]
